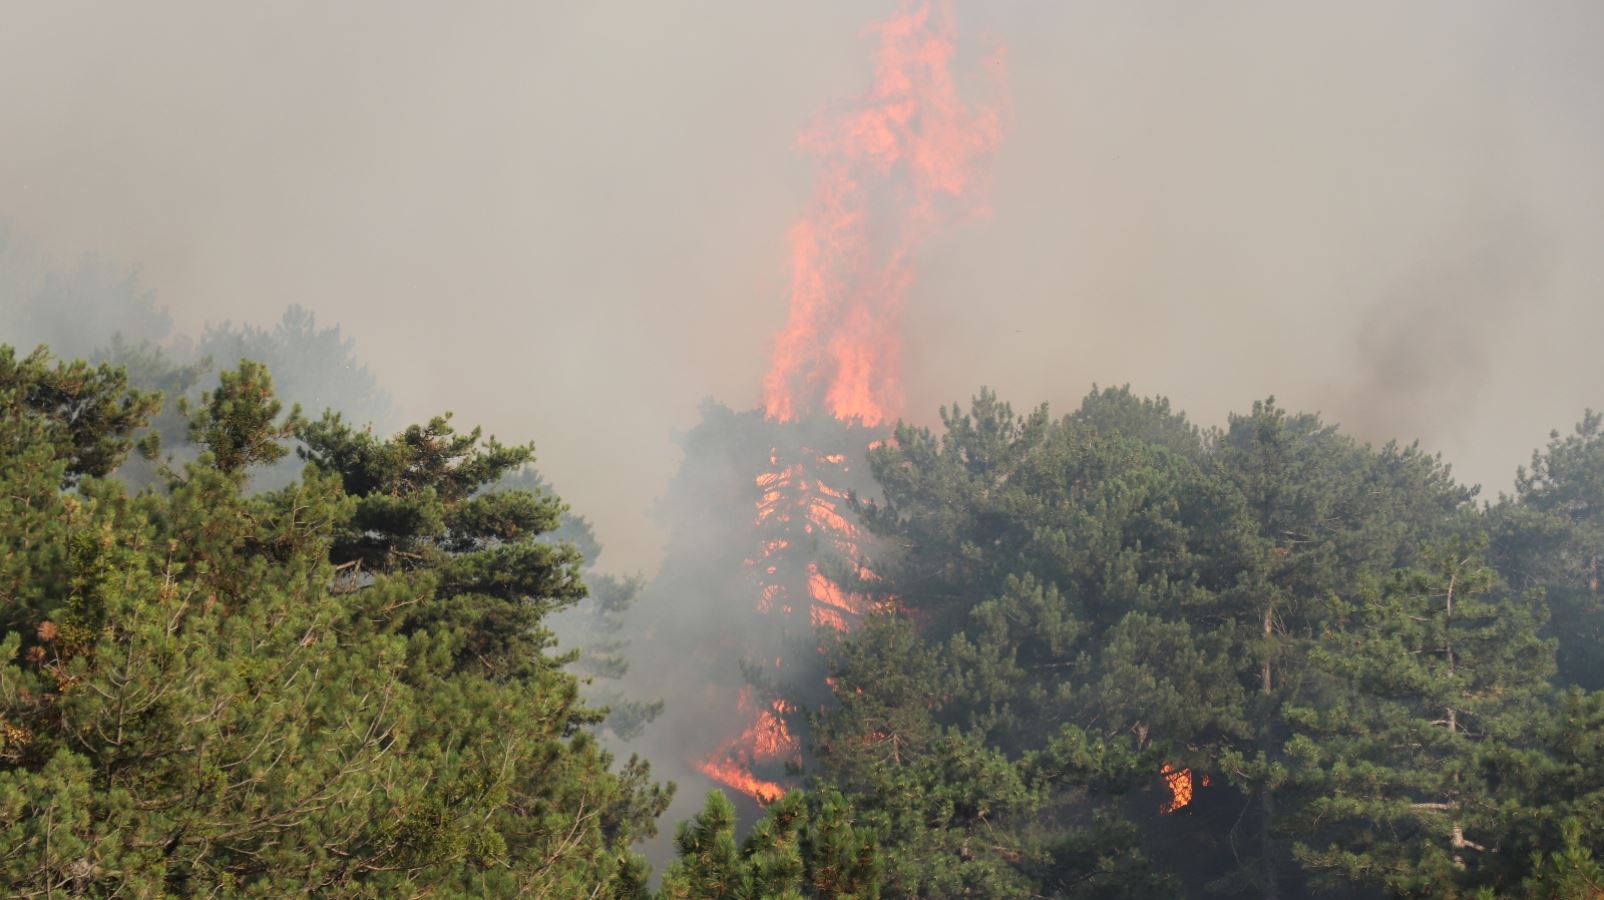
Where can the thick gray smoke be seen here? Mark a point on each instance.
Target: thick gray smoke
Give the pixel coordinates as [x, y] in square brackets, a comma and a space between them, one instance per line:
[566, 221]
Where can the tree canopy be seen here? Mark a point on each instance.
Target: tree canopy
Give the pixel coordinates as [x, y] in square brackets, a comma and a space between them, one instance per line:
[1110, 655]
[339, 686]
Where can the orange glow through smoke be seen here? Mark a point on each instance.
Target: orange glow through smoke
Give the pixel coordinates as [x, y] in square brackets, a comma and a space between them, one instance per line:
[794, 497]
[790, 498]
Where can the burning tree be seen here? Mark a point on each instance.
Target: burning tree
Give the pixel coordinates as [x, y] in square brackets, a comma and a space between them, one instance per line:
[895, 165]
[792, 562]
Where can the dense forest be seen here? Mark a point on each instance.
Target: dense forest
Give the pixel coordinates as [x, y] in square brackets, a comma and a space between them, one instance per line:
[259, 650]
[276, 624]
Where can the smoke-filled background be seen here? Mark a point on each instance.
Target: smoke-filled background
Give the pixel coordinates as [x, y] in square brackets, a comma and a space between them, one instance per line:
[567, 221]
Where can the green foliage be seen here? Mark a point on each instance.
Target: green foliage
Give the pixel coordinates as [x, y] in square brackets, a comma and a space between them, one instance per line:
[1123, 593]
[593, 626]
[1427, 676]
[348, 683]
[238, 423]
[804, 846]
[75, 414]
[1550, 536]
[1568, 873]
[1150, 420]
[1118, 579]
[201, 691]
[98, 311]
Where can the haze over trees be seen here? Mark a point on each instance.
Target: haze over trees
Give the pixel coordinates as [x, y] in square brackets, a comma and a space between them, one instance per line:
[268, 630]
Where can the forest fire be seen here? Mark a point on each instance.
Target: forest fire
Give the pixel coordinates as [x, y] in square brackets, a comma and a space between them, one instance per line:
[894, 166]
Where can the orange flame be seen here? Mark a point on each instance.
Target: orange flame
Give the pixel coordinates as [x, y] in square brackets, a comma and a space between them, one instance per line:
[1179, 783]
[894, 167]
[767, 739]
[822, 513]
[732, 774]
[821, 617]
[790, 498]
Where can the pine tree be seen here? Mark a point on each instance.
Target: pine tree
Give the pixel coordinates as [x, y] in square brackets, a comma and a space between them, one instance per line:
[802, 847]
[1550, 536]
[339, 686]
[1432, 671]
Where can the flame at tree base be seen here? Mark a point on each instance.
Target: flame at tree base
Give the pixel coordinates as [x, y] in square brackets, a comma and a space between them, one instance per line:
[736, 775]
[765, 742]
[755, 588]
[802, 531]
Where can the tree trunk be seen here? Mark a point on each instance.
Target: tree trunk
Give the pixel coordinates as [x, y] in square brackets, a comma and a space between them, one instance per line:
[1269, 625]
[1267, 864]
[1457, 836]
[1448, 646]
[1267, 855]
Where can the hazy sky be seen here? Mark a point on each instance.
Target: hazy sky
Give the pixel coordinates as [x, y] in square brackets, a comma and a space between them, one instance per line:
[566, 220]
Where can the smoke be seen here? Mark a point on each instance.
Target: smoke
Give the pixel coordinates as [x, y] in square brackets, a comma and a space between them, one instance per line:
[763, 562]
[73, 310]
[1427, 351]
[1223, 202]
[567, 221]
[571, 222]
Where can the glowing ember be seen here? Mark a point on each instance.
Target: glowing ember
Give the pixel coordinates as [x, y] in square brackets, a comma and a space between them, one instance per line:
[1179, 783]
[823, 514]
[894, 166]
[827, 592]
[766, 597]
[821, 617]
